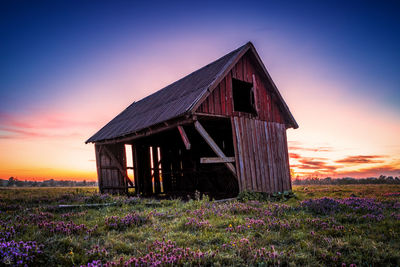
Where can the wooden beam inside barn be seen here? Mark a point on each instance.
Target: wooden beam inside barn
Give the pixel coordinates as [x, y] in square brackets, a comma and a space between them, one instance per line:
[213, 146]
[150, 130]
[184, 137]
[217, 160]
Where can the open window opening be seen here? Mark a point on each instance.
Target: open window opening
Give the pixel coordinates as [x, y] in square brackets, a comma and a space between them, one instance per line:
[243, 96]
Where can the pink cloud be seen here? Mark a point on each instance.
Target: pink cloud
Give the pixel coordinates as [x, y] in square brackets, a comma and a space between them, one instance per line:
[40, 125]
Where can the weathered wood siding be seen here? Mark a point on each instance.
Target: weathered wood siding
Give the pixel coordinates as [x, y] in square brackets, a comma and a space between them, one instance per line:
[220, 101]
[261, 155]
[110, 177]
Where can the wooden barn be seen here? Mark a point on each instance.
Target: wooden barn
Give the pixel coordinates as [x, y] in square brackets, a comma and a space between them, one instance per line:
[219, 130]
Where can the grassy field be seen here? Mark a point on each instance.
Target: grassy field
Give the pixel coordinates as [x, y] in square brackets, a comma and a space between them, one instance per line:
[322, 225]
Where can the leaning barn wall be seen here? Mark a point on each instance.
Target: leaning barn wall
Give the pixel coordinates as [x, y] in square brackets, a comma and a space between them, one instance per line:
[262, 156]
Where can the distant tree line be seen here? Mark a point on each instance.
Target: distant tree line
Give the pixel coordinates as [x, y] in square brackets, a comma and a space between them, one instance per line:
[13, 182]
[347, 180]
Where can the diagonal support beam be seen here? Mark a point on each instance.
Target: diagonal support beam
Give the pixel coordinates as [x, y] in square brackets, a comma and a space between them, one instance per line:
[213, 146]
[184, 137]
[119, 166]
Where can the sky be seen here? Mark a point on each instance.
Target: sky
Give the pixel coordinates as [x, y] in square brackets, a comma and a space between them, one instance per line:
[68, 67]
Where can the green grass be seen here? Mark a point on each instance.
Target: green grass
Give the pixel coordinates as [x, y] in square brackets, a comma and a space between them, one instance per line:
[267, 233]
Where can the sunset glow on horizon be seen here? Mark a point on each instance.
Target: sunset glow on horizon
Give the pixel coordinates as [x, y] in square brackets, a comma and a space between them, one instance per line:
[68, 70]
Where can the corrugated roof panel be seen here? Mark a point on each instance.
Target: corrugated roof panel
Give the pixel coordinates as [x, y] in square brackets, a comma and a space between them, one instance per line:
[167, 103]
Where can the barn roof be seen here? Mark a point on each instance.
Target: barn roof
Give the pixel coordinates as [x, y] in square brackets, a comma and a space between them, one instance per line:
[176, 99]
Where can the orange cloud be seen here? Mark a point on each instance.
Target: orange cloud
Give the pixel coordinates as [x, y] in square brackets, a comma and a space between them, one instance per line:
[294, 156]
[314, 164]
[383, 169]
[360, 159]
[294, 145]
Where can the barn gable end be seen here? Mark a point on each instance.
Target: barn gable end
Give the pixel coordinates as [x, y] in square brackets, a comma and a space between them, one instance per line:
[260, 134]
[269, 105]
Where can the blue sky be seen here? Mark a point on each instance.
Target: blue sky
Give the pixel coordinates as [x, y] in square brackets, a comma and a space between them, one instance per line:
[68, 56]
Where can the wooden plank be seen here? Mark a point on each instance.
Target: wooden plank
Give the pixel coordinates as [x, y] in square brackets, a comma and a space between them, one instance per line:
[237, 149]
[222, 91]
[211, 104]
[287, 159]
[239, 70]
[268, 141]
[273, 152]
[246, 155]
[107, 173]
[254, 155]
[285, 179]
[217, 101]
[135, 169]
[213, 145]
[184, 137]
[256, 106]
[259, 155]
[253, 137]
[251, 158]
[263, 156]
[276, 158]
[269, 108]
[264, 147]
[122, 153]
[97, 149]
[229, 101]
[211, 115]
[276, 161]
[156, 171]
[282, 159]
[245, 74]
[217, 160]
